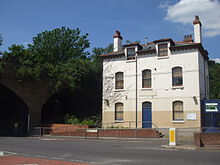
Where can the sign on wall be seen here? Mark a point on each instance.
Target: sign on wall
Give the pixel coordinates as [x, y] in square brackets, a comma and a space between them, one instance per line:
[191, 116]
[211, 107]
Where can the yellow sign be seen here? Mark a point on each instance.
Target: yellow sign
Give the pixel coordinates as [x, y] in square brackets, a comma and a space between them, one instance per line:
[172, 136]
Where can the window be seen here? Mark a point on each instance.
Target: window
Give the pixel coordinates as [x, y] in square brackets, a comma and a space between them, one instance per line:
[146, 78]
[178, 111]
[119, 111]
[162, 50]
[119, 80]
[177, 77]
[131, 53]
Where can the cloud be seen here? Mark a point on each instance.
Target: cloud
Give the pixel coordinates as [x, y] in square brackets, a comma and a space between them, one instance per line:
[184, 12]
[217, 60]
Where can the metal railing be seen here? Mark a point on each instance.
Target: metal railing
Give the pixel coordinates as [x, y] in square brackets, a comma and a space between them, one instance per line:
[130, 124]
[95, 132]
[183, 135]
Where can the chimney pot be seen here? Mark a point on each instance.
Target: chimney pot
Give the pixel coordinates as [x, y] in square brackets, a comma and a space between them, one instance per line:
[188, 38]
[117, 35]
[197, 21]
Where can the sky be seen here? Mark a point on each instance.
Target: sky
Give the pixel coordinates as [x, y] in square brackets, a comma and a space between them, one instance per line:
[21, 20]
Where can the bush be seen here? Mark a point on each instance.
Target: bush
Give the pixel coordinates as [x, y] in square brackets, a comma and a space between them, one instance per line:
[70, 119]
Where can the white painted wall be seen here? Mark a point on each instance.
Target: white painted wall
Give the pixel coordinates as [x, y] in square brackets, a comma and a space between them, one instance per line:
[197, 33]
[162, 94]
[117, 44]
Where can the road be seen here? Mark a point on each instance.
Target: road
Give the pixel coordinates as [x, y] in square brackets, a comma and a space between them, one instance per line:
[106, 152]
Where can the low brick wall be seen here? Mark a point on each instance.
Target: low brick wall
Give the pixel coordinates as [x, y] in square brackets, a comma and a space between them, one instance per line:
[207, 140]
[64, 128]
[128, 133]
[119, 133]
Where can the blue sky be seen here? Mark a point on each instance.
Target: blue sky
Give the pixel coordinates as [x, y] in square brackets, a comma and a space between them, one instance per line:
[21, 20]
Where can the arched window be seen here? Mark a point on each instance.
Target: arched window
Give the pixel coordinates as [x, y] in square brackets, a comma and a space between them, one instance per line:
[119, 80]
[178, 111]
[146, 78]
[177, 76]
[119, 111]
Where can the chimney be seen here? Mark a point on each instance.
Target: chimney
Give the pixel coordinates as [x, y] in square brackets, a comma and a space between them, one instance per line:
[188, 38]
[117, 41]
[197, 30]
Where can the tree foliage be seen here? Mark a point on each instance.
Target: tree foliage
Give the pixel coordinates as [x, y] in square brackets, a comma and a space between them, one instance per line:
[214, 80]
[58, 56]
[96, 52]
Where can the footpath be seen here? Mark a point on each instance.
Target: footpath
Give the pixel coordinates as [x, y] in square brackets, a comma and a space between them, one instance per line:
[22, 160]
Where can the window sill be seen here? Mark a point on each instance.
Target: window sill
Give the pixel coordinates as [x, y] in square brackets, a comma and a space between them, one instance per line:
[146, 89]
[162, 57]
[177, 87]
[130, 60]
[178, 121]
[119, 90]
[119, 121]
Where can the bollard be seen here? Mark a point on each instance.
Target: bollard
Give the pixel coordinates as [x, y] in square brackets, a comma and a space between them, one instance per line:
[172, 136]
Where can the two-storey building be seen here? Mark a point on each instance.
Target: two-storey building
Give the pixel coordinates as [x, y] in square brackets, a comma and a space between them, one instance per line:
[156, 84]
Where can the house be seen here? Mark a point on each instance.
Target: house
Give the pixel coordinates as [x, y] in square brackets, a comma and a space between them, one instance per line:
[157, 84]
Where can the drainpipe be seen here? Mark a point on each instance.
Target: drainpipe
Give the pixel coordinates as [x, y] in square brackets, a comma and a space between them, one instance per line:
[136, 99]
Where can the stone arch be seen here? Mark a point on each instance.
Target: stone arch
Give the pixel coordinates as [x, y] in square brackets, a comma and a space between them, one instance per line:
[14, 113]
[33, 93]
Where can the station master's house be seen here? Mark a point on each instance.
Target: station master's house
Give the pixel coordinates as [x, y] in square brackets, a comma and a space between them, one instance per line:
[156, 84]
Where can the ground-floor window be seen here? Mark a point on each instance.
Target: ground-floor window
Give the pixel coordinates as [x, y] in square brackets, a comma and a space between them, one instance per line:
[119, 111]
[178, 111]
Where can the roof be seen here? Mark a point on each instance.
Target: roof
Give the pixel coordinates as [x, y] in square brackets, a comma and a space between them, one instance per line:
[164, 40]
[150, 48]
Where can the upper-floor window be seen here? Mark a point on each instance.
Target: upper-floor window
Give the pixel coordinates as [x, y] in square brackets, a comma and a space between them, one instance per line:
[162, 50]
[146, 78]
[178, 111]
[119, 80]
[119, 111]
[130, 53]
[177, 76]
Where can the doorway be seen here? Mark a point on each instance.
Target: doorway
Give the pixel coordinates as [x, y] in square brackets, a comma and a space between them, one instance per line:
[146, 115]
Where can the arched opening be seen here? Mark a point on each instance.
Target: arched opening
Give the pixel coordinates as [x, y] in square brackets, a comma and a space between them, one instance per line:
[13, 114]
[77, 103]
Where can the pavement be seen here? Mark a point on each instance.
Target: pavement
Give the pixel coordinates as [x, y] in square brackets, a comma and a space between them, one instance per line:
[191, 147]
[186, 147]
[22, 160]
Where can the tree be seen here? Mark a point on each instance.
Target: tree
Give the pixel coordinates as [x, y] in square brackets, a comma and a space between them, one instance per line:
[214, 80]
[59, 45]
[97, 60]
[58, 56]
[0, 39]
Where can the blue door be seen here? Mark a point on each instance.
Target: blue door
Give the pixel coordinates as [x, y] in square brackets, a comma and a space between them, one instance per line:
[146, 115]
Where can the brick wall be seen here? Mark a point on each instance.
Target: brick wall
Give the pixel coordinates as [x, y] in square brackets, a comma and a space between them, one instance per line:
[207, 140]
[119, 133]
[67, 128]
